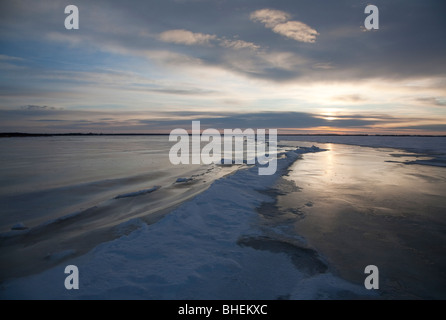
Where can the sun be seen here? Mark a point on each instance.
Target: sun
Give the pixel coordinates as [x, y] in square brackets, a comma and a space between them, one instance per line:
[329, 114]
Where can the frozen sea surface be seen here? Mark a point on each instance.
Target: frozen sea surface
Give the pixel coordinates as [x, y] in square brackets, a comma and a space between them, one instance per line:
[432, 150]
[362, 206]
[211, 247]
[295, 235]
[69, 194]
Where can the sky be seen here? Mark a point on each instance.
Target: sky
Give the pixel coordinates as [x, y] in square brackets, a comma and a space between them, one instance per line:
[299, 66]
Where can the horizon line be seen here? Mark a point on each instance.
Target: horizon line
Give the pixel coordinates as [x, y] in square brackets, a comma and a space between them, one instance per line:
[25, 134]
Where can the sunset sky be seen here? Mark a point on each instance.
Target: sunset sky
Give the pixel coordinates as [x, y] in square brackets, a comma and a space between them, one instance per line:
[152, 66]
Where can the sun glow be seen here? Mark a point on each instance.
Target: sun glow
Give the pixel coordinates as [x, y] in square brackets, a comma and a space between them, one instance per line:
[329, 114]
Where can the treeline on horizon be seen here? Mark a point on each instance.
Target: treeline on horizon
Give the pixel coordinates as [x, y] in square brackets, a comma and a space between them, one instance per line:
[23, 134]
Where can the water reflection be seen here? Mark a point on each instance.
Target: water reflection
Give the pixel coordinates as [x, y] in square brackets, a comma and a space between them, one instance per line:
[365, 208]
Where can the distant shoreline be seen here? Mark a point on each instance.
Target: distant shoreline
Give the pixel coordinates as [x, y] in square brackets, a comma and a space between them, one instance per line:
[24, 135]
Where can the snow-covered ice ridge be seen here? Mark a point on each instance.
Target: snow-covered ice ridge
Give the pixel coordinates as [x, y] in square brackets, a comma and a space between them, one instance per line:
[137, 193]
[431, 146]
[210, 247]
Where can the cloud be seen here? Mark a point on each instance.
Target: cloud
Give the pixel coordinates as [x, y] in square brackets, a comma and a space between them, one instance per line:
[352, 98]
[41, 120]
[238, 44]
[10, 63]
[432, 127]
[181, 91]
[36, 107]
[53, 120]
[440, 102]
[269, 17]
[9, 58]
[323, 66]
[166, 55]
[181, 36]
[296, 30]
[278, 22]
[268, 120]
